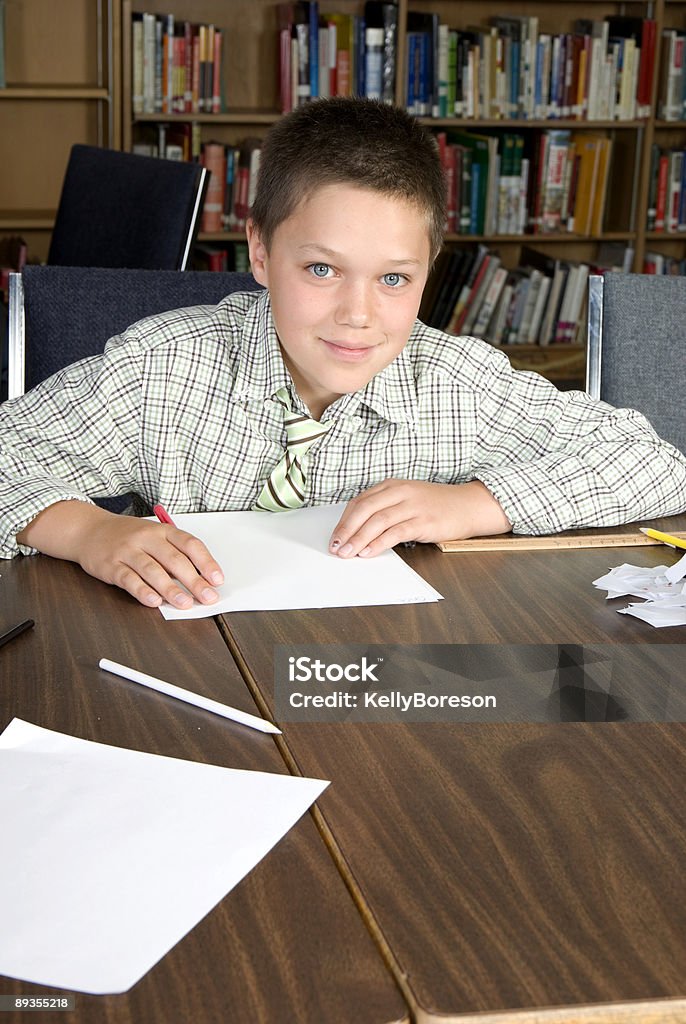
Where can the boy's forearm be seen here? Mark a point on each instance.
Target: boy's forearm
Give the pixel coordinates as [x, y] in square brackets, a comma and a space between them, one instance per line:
[59, 529]
[480, 513]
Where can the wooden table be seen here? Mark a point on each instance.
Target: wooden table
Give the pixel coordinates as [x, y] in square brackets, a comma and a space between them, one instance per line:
[287, 944]
[512, 872]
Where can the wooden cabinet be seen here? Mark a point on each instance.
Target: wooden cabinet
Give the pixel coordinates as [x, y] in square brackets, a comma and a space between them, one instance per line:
[63, 86]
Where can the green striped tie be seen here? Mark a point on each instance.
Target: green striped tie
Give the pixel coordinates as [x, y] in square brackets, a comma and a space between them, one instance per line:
[285, 488]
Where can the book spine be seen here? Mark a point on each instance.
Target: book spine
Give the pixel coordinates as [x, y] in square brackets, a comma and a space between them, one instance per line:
[217, 73]
[313, 43]
[137, 63]
[374, 38]
[214, 160]
[661, 196]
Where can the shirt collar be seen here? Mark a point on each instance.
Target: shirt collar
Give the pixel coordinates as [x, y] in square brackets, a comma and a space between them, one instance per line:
[261, 370]
[391, 394]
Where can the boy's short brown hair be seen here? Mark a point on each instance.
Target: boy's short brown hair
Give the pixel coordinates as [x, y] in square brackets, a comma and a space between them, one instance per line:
[350, 141]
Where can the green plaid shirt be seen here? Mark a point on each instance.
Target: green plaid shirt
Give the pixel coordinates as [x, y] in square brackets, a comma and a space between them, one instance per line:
[180, 409]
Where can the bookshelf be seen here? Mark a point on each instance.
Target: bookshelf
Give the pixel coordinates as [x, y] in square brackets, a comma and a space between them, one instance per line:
[63, 86]
[251, 88]
[81, 90]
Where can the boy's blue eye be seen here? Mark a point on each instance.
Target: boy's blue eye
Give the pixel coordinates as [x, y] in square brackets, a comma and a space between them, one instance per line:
[392, 280]
[320, 269]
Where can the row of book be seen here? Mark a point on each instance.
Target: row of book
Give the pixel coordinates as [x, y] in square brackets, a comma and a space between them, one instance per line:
[551, 181]
[176, 66]
[667, 191]
[671, 100]
[231, 189]
[337, 54]
[217, 256]
[658, 263]
[541, 302]
[509, 69]
[500, 183]
[233, 170]
[223, 256]
[178, 140]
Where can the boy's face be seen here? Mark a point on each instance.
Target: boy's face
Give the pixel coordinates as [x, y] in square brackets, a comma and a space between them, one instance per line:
[345, 273]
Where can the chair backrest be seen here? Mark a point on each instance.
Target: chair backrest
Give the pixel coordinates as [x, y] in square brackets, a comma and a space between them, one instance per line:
[636, 348]
[124, 210]
[59, 315]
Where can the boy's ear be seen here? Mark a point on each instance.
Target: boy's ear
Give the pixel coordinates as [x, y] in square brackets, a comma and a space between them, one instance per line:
[257, 252]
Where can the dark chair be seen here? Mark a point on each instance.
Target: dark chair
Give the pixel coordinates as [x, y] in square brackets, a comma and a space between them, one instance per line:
[61, 314]
[636, 348]
[123, 210]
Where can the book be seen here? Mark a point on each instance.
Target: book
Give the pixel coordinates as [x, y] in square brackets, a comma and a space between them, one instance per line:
[478, 294]
[458, 267]
[471, 282]
[570, 306]
[670, 101]
[490, 301]
[535, 278]
[210, 256]
[661, 192]
[482, 157]
[601, 186]
[539, 309]
[384, 16]
[214, 159]
[245, 179]
[551, 316]
[554, 177]
[424, 25]
[587, 148]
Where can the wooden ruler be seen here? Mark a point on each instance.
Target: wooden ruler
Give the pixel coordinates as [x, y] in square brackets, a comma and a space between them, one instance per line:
[555, 541]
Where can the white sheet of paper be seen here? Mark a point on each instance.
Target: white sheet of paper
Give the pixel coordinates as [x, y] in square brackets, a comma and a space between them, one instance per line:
[660, 586]
[656, 614]
[110, 856]
[280, 560]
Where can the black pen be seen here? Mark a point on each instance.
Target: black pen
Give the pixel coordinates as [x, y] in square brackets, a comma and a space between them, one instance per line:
[15, 631]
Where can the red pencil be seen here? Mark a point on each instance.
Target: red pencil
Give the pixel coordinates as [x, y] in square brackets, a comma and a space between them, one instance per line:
[162, 514]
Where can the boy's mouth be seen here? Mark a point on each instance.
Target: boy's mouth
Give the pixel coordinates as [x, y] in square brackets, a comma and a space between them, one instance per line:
[350, 353]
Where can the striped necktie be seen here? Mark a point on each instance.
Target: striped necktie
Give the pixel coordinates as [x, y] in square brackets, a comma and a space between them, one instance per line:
[285, 488]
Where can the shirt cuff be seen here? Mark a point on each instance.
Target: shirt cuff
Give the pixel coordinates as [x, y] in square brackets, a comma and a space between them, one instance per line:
[532, 502]
[9, 547]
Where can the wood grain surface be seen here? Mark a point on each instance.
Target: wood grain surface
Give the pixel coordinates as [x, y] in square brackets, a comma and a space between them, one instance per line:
[287, 944]
[516, 873]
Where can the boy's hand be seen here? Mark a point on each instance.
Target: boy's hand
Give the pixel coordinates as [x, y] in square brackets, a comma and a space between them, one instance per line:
[401, 510]
[141, 557]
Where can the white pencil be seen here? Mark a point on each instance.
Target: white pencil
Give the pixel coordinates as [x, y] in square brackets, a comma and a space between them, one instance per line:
[186, 695]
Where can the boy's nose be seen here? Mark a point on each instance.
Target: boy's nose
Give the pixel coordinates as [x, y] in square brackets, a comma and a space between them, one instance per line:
[354, 305]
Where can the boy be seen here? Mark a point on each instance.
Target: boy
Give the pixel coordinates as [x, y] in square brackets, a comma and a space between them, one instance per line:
[425, 435]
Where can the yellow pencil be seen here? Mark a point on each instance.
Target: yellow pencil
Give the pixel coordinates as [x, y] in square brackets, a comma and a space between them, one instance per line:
[664, 538]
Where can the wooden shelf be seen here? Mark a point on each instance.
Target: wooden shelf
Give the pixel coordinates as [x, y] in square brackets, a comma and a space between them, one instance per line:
[30, 220]
[53, 92]
[509, 124]
[543, 239]
[229, 117]
[552, 239]
[556, 362]
[665, 236]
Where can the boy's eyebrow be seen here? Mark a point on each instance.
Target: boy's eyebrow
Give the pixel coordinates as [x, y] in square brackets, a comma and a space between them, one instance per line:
[321, 250]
